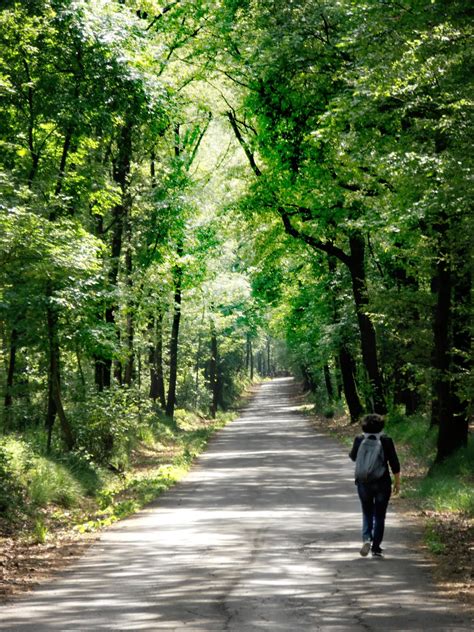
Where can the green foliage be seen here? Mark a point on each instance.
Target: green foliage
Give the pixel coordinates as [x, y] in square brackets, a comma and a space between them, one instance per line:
[49, 482]
[352, 130]
[433, 539]
[12, 494]
[75, 487]
[414, 431]
[108, 424]
[126, 214]
[449, 485]
[41, 480]
[40, 531]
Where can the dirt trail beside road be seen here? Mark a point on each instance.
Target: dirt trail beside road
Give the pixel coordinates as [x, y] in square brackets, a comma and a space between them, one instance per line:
[263, 534]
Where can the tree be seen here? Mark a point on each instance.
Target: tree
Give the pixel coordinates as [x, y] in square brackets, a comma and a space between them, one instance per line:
[350, 131]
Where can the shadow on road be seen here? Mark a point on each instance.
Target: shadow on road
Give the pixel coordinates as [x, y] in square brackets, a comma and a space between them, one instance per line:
[262, 535]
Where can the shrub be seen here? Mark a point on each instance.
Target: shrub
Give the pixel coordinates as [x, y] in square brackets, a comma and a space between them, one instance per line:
[108, 424]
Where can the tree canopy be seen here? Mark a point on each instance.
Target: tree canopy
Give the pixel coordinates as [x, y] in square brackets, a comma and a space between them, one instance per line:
[196, 193]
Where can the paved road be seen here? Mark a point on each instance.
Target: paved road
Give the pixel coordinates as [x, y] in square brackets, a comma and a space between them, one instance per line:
[263, 534]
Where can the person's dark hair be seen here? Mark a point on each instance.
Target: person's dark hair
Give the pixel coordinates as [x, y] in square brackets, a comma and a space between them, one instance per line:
[373, 423]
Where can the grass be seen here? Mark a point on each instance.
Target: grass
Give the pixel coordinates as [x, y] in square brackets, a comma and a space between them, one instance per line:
[415, 432]
[449, 486]
[60, 480]
[40, 531]
[433, 539]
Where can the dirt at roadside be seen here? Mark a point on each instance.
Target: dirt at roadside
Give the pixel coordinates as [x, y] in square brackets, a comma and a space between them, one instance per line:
[453, 566]
[24, 564]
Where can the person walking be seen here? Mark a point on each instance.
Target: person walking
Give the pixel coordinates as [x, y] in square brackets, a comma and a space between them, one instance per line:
[373, 453]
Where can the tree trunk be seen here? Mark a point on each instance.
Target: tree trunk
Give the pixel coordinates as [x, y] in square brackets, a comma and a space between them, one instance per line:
[441, 286]
[452, 347]
[157, 386]
[366, 327]
[63, 162]
[173, 374]
[101, 374]
[34, 153]
[269, 370]
[130, 333]
[153, 392]
[247, 353]
[213, 373]
[259, 363]
[80, 370]
[55, 406]
[356, 264]
[339, 386]
[121, 172]
[308, 380]
[456, 435]
[328, 382]
[196, 370]
[10, 377]
[406, 385]
[351, 395]
[252, 363]
[128, 370]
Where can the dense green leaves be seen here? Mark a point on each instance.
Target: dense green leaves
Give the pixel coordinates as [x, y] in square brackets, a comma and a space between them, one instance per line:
[102, 222]
[355, 120]
[183, 184]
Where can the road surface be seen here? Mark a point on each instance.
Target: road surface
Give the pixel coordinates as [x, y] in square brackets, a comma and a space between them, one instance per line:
[262, 535]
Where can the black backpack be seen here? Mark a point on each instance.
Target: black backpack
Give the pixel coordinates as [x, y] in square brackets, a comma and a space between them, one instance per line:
[370, 461]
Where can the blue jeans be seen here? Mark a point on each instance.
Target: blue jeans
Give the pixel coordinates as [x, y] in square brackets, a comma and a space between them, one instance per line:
[374, 499]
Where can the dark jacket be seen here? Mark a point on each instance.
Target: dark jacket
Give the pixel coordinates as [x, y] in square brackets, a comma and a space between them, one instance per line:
[389, 451]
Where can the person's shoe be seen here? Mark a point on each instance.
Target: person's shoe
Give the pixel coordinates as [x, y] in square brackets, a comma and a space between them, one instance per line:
[364, 551]
[378, 553]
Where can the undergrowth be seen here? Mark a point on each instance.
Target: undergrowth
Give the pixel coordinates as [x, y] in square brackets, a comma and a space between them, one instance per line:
[40, 492]
[447, 486]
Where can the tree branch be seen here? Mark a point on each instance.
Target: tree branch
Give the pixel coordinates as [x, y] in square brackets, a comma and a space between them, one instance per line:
[161, 14]
[234, 79]
[243, 143]
[198, 142]
[316, 244]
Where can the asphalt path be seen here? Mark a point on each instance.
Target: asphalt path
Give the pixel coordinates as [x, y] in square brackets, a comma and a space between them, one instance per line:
[263, 534]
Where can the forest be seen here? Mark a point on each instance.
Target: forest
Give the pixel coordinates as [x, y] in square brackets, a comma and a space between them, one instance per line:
[199, 194]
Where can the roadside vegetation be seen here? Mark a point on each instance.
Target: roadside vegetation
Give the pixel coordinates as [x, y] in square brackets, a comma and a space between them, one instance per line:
[53, 505]
[44, 492]
[447, 486]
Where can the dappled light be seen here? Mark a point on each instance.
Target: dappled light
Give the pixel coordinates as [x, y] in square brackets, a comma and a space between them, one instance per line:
[214, 207]
[263, 534]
